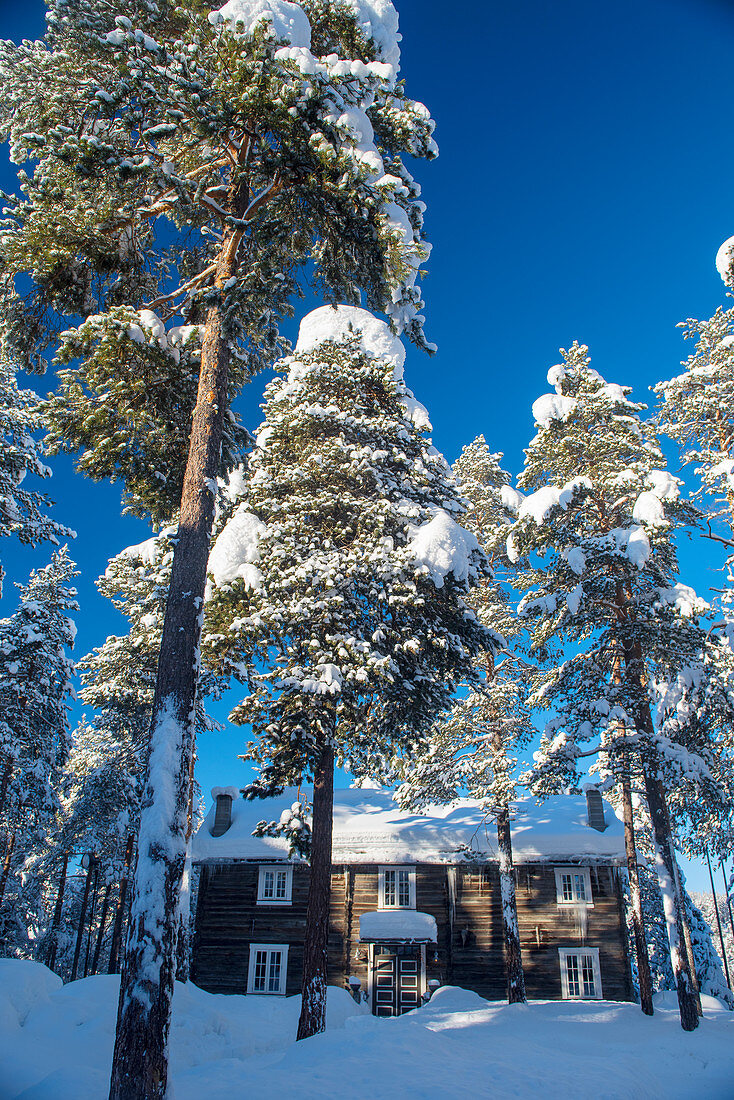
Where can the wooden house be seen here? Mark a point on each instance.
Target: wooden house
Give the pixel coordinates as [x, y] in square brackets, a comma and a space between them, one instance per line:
[415, 900]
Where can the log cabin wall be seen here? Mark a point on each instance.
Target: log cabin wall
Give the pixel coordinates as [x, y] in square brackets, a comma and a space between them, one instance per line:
[465, 901]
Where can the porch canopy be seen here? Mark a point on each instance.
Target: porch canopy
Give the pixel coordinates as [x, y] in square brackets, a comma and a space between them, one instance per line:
[397, 926]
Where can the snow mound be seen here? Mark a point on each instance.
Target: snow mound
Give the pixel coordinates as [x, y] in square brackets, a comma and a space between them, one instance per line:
[458, 1045]
[442, 546]
[398, 924]
[336, 322]
[236, 550]
[288, 21]
[23, 985]
[664, 485]
[511, 498]
[231, 792]
[540, 504]
[725, 259]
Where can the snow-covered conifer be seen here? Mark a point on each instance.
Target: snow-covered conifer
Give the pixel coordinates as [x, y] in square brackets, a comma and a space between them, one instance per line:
[472, 748]
[35, 693]
[347, 571]
[269, 136]
[22, 508]
[595, 536]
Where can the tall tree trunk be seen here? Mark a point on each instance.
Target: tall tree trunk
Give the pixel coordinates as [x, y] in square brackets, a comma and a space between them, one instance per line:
[140, 1059]
[120, 910]
[315, 948]
[513, 953]
[82, 918]
[6, 865]
[7, 773]
[58, 909]
[638, 922]
[670, 886]
[688, 941]
[728, 897]
[184, 907]
[91, 919]
[666, 865]
[718, 921]
[102, 923]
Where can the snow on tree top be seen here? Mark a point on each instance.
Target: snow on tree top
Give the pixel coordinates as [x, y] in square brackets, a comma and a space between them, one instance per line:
[540, 504]
[443, 546]
[378, 21]
[552, 406]
[725, 259]
[288, 21]
[336, 322]
[370, 827]
[236, 550]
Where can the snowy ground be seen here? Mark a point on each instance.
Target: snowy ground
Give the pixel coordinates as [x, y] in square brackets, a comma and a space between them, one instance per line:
[56, 1043]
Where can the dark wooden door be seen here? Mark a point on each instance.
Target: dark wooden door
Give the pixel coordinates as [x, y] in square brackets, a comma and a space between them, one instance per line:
[396, 973]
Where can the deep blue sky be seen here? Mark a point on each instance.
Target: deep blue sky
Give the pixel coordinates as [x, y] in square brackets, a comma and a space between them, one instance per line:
[583, 188]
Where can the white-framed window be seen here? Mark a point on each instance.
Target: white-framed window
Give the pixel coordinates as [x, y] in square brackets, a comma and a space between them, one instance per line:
[268, 966]
[573, 886]
[580, 973]
[275, 885]
[396, 888]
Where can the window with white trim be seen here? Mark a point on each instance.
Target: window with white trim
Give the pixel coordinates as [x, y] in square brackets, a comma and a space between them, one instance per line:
[275, 885]
[580, 973]
[267, 970]
[396, 888]
[573, 886]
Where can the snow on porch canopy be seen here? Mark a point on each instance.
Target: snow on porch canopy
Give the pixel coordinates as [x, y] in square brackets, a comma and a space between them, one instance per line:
[401, 925]
[370, 827]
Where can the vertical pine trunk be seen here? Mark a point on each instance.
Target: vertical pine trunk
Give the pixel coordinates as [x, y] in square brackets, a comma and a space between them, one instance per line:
[688, 942]
[6, 865]
[670, 885]
[102, 923]
[140, 1059]
[183, 946]
[638, 922]
[91, 920]
[7, 773]
[727, 896]
[120, 910]
[315, 949]
[58, 909]
[82, 919]
[718, 921]
[513, 953]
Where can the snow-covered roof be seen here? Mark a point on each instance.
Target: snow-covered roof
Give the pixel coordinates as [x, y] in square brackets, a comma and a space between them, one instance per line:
[370, 827]
[397, 924]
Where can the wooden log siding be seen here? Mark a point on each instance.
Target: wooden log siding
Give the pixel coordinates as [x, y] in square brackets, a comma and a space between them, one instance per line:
[464, 900]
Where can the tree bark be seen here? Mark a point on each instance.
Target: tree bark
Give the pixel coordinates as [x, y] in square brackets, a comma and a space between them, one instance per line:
[315, 948]
[688, 941]
[670, 885]
[718, 921]
[120, 910]
[6, 865]
[140, 1059]
[91, 919]
[513, 952]
[100, 933]
[638, 922]
[183, 947]
[7, 773]
[58, 909]
[82, 918]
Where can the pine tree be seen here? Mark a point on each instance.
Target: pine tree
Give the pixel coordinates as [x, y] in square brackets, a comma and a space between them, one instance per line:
[35, 692]
[267, 137]
[22, 509]
[347, 571]
[600, 572]
[471, 750]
